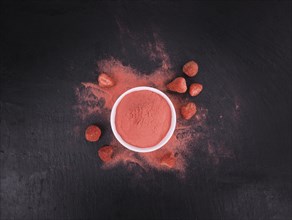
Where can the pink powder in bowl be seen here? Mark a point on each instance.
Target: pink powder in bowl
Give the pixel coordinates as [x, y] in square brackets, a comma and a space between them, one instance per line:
[143, 119]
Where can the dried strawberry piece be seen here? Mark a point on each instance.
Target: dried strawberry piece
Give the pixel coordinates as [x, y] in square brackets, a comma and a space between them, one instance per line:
[92, 133]
[168, 160]
[188, 110]
[105, 81]
[195, 89]
[178, 85]
[106, 153]
[191, 68]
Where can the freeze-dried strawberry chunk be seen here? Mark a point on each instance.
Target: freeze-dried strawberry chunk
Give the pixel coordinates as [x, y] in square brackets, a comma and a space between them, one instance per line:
[92, 133]
[106, 153]
[191, 68]
[105, 81]
[178, 85]
[168, 160]
[188, 110]
[195, 89]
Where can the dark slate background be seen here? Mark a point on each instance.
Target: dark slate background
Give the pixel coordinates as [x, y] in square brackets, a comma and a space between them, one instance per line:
[49, 47]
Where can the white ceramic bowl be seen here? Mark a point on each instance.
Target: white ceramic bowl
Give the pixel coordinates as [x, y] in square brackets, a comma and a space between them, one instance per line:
[163, 141]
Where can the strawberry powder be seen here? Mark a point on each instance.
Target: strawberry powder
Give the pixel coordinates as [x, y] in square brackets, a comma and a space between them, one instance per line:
[143, 118]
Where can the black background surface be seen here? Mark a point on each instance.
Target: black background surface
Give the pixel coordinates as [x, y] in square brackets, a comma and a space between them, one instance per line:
[48, 48]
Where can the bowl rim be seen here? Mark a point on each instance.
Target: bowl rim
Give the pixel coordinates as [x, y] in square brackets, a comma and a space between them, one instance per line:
[167, 136]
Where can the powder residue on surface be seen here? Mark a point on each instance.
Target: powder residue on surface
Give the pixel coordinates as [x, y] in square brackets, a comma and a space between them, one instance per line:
[143, 118]
[189, 137]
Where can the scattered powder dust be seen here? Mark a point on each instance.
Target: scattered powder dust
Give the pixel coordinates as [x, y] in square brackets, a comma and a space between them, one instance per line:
[143, 118]
[92, 99]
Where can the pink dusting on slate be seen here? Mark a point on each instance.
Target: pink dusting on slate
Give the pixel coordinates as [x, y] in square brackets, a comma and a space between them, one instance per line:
[94, 100]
